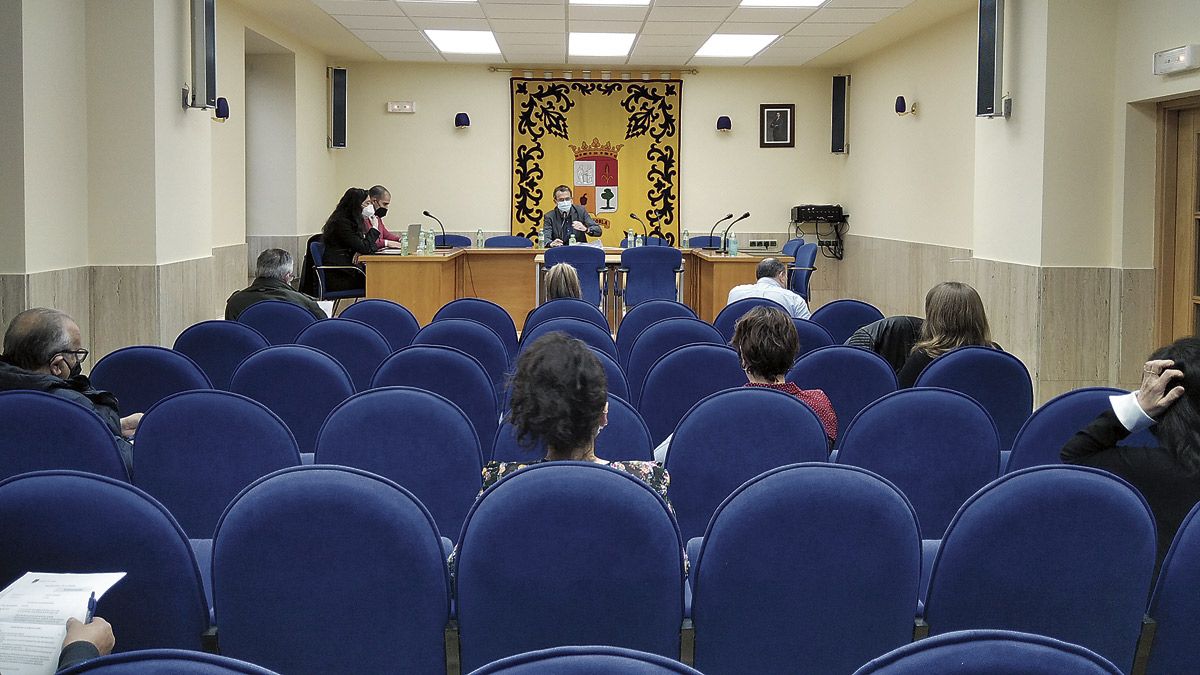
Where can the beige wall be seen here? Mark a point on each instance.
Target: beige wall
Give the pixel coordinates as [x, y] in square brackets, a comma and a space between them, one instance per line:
[12, 137]
[270, 148]
[228, 139]
[911, 178]
[317, 186]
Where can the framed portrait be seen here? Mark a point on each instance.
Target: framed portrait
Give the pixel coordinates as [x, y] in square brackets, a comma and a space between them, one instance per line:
[777, 125]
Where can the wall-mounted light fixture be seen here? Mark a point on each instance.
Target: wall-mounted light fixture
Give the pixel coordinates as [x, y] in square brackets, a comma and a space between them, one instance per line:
[723, 123]
[462, 121]
[222, 110]
[903, 108]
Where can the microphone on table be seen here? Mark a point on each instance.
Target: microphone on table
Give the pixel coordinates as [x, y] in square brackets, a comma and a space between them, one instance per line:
[713, 232]
[725, 235]
[436, 245]
[645, 231]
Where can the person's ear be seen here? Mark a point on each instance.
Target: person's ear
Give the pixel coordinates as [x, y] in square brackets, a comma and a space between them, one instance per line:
[59, 367]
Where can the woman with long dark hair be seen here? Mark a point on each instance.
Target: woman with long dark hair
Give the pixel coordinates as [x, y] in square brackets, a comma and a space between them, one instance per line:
[345, 240]
[954, 318]
[1167, 403]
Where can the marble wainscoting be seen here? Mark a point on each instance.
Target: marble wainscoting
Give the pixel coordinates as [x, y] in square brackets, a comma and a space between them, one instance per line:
[66, 289]
[230, 273]
[148, 304]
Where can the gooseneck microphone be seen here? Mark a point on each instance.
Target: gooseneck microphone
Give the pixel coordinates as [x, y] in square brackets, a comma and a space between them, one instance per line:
[725, 234]
[645, 231]
[713, 231]
[442, 245]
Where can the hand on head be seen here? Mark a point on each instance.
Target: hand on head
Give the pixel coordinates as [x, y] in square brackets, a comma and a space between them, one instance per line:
[98, 632]
[1156, 393]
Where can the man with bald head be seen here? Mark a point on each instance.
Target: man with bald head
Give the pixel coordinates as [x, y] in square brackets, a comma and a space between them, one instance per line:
[43, 351]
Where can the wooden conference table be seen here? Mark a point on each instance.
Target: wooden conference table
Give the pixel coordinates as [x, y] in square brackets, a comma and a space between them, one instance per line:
[508, 277]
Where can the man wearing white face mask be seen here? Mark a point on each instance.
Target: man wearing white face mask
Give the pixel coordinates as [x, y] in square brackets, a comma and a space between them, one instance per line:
[568, 219]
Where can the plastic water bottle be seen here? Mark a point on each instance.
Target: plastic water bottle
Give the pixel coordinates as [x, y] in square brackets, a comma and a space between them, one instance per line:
[421, 243]
[639, 241]
[683, 243]
[479, 238]
[404, 244]
[732, 244]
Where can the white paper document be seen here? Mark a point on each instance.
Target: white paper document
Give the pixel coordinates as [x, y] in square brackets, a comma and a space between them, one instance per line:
[33, 617]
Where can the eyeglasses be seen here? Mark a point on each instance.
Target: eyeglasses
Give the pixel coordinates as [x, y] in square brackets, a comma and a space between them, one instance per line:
[80, 354]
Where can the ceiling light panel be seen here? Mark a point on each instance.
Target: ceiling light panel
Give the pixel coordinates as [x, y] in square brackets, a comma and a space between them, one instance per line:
[464, 41]
[734, 46]
[599, 44]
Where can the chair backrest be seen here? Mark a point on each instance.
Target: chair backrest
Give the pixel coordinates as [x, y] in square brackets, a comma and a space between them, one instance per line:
[508, 241]
[730, 437]
[810, 563]
[1050, 427]
[811, 335]
[487, 313]
[474, 338]
[678, 380]
[68, 521]
[727, 318]
[218, 347]
[659, 339]
[1062, 551]
[355, 553]
[989, 651]
[599, 536]
[178, 661]
[1175, 606]
[650, 273]
[358, 347]
[789, 247]
[702, 241]
[278, 321]
[624, 438]
[316, 249]
[449, 372]
[591, 334]
[54, 433]
[453, 240]
[586, 661]
[588, 262]
[851, 378]
[806, 259]
[393, 320]
[617, 384]
[427, 445]
[640, 317]
[998, 380]
[891, 337]
[298, 383]
[843, 317]
[198, 449]
[938, 446]
[142, 375]
[564, 307]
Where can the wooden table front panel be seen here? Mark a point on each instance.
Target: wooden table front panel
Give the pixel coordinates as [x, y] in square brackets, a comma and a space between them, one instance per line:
[710, 277]
[421, 283]
[503, 275]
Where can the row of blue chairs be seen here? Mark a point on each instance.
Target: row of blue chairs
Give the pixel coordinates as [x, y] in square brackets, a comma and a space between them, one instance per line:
[816, 564]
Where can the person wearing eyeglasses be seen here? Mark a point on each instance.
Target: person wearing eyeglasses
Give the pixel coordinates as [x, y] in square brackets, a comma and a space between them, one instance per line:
[43, 351]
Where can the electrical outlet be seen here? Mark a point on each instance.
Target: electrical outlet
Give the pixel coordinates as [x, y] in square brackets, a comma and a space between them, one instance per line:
[826, 242]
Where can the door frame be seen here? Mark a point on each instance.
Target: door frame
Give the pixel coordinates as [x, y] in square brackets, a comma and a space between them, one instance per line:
[1165, 214]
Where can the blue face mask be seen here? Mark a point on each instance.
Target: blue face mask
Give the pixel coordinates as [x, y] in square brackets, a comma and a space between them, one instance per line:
[564, 205]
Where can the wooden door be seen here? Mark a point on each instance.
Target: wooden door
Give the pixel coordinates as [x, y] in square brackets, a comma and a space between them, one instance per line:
[1179, 240]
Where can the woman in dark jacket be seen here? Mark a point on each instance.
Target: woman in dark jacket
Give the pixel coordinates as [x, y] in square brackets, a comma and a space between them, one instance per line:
[345, 239]
[1168, 403]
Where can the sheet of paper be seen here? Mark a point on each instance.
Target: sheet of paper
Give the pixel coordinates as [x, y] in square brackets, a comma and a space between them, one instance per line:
[33, 617]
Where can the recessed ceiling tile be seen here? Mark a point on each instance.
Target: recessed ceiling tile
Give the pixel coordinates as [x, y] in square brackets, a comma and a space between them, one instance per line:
[606, 13]
[409, 38]
[765, 14]
[819, 42]
[408, 49]
[532, 41]
[689, 41]
[360, 7]
[653, 63]
[473, 58]
[851, 15]
[612, 61]
[737, 27]
[415, 58]
[704, 28]
[728, 4]
[520, 2]
[440, 23]
[576, 26]
[548, 26]
[525, 12]
[375, 22]
[896, 4]
[382, 35]
[455, 10]
[830, 29]
[535, 55]
[715, 61]
[689, 13]
[683, 52]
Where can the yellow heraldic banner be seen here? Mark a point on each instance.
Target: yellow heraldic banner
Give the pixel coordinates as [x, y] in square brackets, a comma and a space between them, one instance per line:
[616, 143]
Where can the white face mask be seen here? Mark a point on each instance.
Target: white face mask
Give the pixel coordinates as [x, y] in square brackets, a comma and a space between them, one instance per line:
[368, 211]
[564, 205]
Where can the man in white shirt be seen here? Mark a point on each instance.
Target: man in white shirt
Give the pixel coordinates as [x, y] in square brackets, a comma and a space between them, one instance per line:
[772, 285]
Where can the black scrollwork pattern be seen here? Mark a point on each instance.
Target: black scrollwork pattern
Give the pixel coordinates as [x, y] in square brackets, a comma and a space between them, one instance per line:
[651, 108]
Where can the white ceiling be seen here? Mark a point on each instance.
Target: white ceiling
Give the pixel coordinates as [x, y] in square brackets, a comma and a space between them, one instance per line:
[534, 32]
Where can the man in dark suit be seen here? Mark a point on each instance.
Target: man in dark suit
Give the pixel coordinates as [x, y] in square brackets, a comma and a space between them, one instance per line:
[567, 218]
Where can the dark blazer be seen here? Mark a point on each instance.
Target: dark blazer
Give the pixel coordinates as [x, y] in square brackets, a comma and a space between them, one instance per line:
[343, 239]
[559, 223]
[263, 288]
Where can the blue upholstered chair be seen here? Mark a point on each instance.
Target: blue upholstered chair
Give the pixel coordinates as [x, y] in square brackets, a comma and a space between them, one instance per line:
[588, 332]
[640, 317]
[800, 271]
[588, 262]
[586, 661]
[474, 338]
[416, 438]
[358, 347]
[650, 273]
[487, 313]
[646, 241]
[938, 446]
[680, 379]
[142, 375]
[68, 521]
[989, 651]
[599, 536]
[727, 318]
[392, 319]
[316, 249]
[617, 384]
[659, 339]
[176, 661]
[624, 438]
[811, 335]
[218, 347]
[782, 580]
[330, 569]
[564, 308]
[851, 378]
[704, 241]
[508, 241]
[452, 240]
[1062, 551]
[43, 431]
[843, 317]
[299, 384]
[711, 453]
[997, 380]
[198, 449]
[278, 321]
[1049, 428]
[1175, 606]
[789, 247]
[447, 371]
